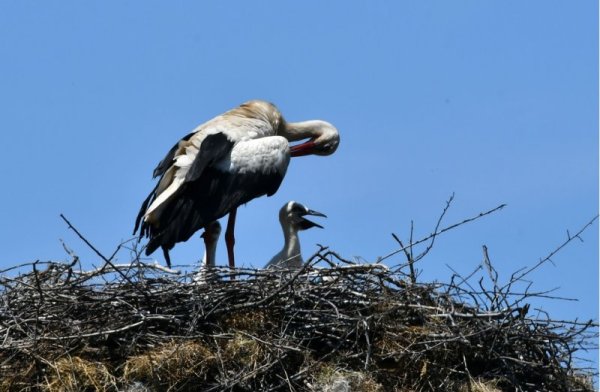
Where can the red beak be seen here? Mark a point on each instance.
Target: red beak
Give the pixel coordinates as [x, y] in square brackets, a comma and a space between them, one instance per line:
[302, 149]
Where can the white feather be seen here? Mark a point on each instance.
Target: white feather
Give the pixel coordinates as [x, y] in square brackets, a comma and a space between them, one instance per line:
[266, 155]
[255, 150]
[167, 193]
[184, 160]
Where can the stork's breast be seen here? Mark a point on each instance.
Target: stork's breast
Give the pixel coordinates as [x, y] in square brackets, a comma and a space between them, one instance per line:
[265, 155]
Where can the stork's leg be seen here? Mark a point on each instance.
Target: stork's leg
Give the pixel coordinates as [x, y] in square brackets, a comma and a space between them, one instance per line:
[230, 238]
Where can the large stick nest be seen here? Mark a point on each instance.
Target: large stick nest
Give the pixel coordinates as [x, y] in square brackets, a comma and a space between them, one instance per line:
[359, 327]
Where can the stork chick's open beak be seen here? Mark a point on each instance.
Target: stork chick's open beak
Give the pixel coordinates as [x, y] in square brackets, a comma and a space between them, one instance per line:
[305, 224]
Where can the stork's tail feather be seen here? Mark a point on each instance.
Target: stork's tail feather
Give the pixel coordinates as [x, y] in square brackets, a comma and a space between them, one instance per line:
[155, 243]
[140, 216]
[152, 245]
[167, 257]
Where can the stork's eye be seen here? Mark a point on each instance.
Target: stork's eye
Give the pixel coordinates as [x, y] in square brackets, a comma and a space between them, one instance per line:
[331, 146]
[297, 208]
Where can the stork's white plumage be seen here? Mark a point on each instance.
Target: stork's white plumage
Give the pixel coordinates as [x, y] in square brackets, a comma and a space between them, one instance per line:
[225, 162]
[292, 219]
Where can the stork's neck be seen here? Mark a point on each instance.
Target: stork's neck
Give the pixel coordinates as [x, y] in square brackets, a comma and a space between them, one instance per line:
[289, 256]
[292, 244]
[302, 130]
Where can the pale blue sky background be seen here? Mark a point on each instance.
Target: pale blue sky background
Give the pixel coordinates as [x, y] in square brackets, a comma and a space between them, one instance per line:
[496, 101]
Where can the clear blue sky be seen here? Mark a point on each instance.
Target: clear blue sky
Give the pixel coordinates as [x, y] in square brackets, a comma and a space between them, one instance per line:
[496, 101]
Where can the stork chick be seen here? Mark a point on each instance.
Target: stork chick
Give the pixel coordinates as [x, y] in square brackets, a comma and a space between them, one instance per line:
[292, 219]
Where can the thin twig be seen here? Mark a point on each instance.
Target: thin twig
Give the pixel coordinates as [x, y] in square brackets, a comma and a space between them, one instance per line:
[92, 247]
[480, 215]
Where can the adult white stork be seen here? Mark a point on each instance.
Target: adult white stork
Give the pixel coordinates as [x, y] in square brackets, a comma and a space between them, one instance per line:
[292, 219]
[223, 163]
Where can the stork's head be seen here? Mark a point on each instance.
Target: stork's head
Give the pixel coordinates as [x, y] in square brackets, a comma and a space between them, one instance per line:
[324, 139]
[293, 214]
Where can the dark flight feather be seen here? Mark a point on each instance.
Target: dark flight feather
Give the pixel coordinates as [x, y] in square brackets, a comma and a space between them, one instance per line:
[163, 165]
[205, 200]
[142, 211]
[213, 148]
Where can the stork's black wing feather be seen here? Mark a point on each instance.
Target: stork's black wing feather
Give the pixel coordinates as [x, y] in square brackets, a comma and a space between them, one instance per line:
[160, 170]
[213, 148]
[163, 165]
[207, 199]
[142, 211]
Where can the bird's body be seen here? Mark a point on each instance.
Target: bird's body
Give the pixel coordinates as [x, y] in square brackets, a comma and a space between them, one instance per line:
[291, 217]
[225, 162]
